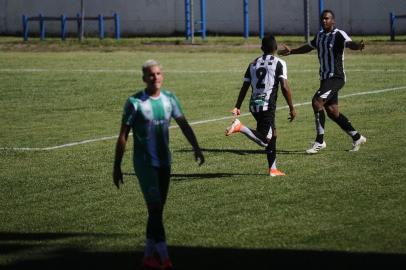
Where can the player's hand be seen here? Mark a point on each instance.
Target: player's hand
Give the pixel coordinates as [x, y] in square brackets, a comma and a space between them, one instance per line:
[292, 115]
[199, 156]
[361, 45]
[236, 112]
[117, 176]
[285, 51]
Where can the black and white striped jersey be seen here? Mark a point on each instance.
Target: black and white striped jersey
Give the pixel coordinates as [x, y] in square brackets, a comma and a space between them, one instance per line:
[330, 49]
[263, 74]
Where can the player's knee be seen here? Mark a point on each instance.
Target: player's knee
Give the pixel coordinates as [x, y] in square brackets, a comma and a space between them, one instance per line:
[270, 142]
[270, 138]
[332, 112]
[317, 104]
[331, 115]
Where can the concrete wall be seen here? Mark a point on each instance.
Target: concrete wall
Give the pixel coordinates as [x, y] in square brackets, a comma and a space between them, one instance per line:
[166, 17]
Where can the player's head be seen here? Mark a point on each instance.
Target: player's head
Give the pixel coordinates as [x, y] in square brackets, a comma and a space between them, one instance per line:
[148, 64]
[152, 74]
[269, 44]
[327, 19]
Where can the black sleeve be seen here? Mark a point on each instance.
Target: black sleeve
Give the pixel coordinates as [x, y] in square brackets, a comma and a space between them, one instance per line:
[340, 40]
[247, 75]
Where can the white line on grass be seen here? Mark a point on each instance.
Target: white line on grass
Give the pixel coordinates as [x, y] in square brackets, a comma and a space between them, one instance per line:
[192, 123]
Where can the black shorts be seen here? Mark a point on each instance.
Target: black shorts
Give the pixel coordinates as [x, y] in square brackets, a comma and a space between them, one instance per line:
[328, 90]
[265, 122]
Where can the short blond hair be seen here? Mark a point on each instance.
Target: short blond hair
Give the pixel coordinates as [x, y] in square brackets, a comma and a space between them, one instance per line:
[148, 64]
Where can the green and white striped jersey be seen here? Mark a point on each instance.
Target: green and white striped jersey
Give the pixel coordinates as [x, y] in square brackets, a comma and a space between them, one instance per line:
[149, 117]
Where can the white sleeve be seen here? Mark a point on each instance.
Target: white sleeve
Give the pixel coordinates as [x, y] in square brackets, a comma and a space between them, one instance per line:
[345, 36]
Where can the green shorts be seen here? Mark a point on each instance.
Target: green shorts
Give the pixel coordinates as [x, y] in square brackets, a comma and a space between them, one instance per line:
[154, 183]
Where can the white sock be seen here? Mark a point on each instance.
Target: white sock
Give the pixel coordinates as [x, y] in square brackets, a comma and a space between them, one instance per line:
[247, 132]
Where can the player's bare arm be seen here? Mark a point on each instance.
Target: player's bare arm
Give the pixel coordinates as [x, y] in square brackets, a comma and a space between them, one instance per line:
[120, 149]
[190, 136]
[241, 96]
[356, 45]
[287, 51]
[287, 94]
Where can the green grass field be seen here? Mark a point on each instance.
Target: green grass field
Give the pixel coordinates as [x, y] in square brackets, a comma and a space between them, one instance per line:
[60, 209]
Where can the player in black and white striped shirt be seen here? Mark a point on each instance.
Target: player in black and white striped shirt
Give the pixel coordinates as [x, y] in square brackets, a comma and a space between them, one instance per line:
[330, 44]
[264, 75]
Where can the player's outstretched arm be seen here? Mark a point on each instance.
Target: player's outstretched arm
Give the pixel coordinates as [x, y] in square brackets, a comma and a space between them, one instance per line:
[356, 45]
[287, 51]
[287, 94]
[190, 136]
[120, 149]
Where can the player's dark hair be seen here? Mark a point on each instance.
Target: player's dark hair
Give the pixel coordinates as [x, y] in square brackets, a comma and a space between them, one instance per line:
[269, 44]
[327, 11]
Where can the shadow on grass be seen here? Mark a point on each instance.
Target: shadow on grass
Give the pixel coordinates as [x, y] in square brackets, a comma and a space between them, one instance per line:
[246, 151]
[190, 176]
[67, 256]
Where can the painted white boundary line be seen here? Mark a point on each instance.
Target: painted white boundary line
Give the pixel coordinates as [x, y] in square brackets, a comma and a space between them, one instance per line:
[191, 123]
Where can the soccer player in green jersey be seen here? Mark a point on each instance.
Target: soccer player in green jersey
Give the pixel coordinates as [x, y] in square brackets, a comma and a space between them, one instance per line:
[148, 114]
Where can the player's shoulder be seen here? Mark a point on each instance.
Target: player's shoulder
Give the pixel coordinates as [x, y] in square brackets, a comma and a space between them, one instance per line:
[139, 95]
[318, 34]
[136, 98]
[276, 58]
[133, 101]
[167, 93]
[341, 33]
[279, 61]
[253, 62]
[338, 30]
[342, 36]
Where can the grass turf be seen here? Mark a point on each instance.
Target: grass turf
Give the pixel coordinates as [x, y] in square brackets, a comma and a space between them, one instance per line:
[60, 208]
